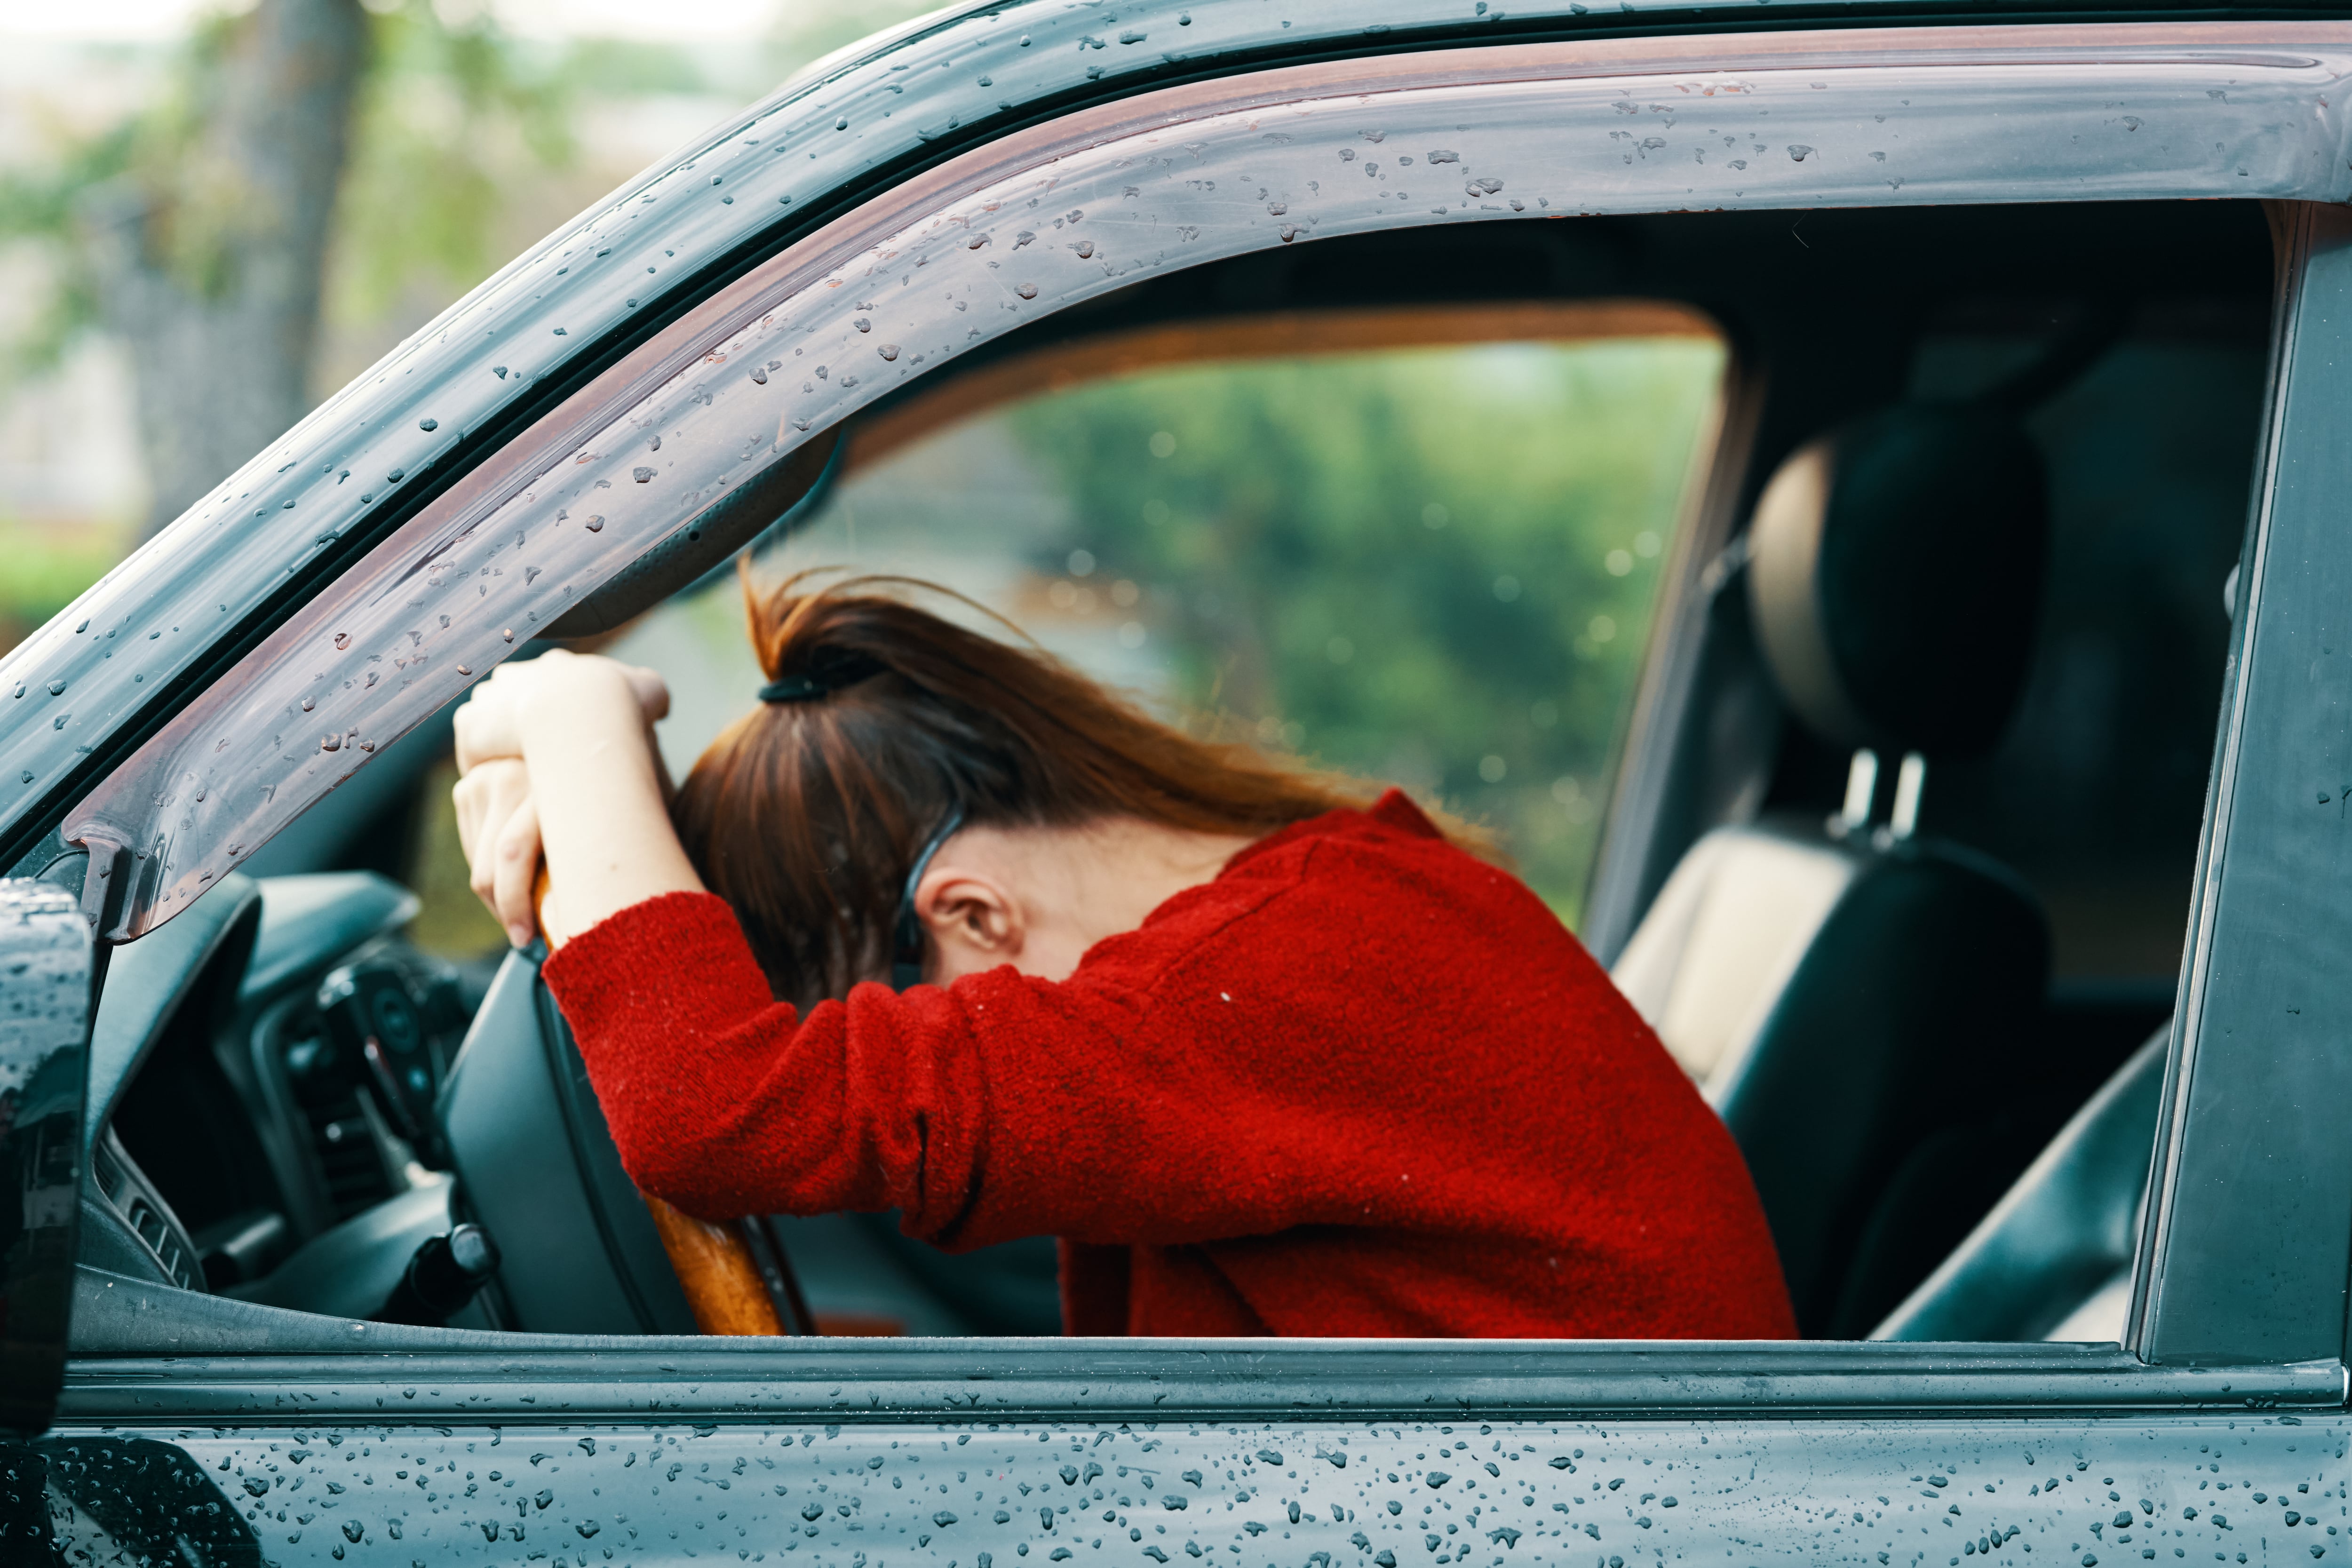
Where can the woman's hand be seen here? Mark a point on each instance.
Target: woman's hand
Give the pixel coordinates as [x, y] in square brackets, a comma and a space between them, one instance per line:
[499, 827]
[557, 689]
[559, 760]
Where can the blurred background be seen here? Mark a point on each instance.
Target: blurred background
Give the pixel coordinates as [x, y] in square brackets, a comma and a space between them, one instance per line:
[1422, 556]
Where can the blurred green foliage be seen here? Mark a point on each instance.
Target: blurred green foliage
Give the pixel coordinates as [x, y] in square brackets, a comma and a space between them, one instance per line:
[42, 570]
[1433, 567]
[448, 115]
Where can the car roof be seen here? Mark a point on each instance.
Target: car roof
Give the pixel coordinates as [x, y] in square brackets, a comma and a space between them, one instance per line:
[105, 672]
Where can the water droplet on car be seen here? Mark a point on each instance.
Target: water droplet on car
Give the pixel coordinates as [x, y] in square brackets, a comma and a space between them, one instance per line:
[1026, 291]
[426, 425]
[56, 687]
[595, 525]
[342, 640]
[889, 351]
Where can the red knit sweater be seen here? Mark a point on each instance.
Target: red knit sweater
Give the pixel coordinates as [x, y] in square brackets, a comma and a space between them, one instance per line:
[1361, 1083]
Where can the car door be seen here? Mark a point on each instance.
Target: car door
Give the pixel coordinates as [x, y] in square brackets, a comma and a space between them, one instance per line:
[2215, 1425]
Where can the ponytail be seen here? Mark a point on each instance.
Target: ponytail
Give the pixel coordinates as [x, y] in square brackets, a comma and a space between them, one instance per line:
[881, 719]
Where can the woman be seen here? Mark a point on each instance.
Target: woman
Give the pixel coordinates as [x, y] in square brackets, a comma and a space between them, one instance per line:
[1267, 1056]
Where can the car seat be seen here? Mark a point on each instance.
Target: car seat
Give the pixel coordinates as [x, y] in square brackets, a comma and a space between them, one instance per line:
[1851, 994]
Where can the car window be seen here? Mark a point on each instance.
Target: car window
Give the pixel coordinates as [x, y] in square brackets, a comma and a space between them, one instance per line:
[1432, 566]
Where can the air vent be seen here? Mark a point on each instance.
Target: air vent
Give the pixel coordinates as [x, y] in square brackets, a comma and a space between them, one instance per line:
[342, 1136]
[109, 1172]
[151, 1229]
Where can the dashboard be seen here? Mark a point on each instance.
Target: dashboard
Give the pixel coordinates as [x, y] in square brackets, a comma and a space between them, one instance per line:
[264, 1077]
[292, 1102]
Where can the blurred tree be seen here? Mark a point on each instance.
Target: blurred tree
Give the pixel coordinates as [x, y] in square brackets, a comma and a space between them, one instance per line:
[202, 232]
[206, 254]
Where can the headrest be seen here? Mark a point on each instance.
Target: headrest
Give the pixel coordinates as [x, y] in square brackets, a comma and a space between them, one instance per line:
[1894, 567]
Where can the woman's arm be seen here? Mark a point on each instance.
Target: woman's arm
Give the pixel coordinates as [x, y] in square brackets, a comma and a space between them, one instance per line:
[559, 759]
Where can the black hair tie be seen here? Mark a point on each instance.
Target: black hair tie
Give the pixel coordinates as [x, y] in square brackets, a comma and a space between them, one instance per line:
[827, 672]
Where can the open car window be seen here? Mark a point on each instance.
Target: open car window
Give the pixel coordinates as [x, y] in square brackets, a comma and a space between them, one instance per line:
[1426, 562]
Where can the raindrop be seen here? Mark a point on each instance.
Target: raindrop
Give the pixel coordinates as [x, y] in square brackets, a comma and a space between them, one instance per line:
[759, 376]
[394, 477]
[309, 704]
[331, 744]
[595, 525]
[889, 351]
[1619, 562]
[862, 324]
[1026, 291]
[342, 640]
[643, 476]
[1086, 249]
[1799, 152]
[1082, 562]
[427, 425]
[500, 371]
[57, 689]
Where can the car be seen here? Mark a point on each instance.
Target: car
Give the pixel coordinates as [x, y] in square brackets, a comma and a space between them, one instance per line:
[1974, 836]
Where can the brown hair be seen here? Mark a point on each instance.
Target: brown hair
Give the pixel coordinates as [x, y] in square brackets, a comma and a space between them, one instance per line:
[807, 816]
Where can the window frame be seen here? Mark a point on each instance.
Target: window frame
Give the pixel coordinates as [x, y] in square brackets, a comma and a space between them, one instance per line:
[2191, 1311]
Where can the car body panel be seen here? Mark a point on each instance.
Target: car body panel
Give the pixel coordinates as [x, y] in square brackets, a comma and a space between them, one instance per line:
[1250, 1461]
[656, 1449]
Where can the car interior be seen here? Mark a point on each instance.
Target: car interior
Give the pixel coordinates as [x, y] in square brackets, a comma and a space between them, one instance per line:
[1894, 841]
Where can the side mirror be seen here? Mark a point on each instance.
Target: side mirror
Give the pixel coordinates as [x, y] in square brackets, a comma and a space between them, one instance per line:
[46, 971]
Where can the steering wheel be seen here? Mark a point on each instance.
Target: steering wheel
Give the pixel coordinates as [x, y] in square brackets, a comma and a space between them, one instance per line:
[582, 1249]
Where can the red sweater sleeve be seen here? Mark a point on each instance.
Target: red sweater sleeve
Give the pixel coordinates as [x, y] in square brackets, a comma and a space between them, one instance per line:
[1003, 1107]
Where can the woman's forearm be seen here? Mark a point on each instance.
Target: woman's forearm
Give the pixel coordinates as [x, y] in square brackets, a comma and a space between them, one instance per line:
[598, 785]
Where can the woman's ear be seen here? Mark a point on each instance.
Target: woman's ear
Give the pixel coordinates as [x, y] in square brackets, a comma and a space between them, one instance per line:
[972, 920]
